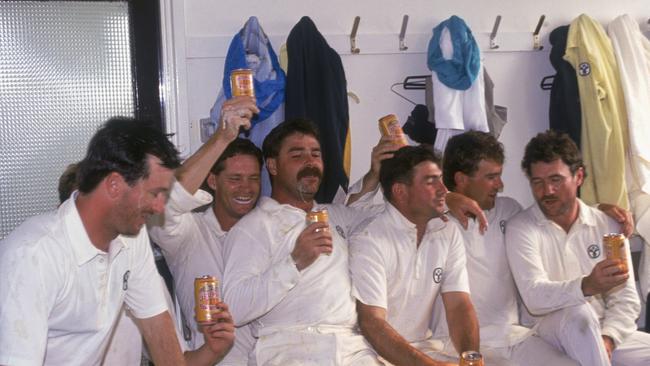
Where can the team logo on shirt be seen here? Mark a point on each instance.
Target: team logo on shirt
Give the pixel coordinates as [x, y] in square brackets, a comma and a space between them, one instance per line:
[593, 251]
[584, 69]
[340, 231]
[502, 225]
[125, 280]
[437, 275]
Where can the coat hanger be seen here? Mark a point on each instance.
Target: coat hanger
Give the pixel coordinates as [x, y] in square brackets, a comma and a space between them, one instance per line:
[547, 82]
[414, 82]
[392, 88]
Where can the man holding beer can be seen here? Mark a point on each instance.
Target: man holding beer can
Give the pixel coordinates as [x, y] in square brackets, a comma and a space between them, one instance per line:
[473, 163]
[288, 277]
[581, 301]
[224, 175]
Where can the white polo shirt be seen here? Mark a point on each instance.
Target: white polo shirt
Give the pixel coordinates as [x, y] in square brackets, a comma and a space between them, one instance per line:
[390, 271]
[60, 296]
[193, 246]
[262, 283]
[549, 264]
[494, 293]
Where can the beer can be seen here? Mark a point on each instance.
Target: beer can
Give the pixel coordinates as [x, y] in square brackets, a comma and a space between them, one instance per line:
[614, 245]
[471, 358]
[317, 216]
[241, 82]
[206, 297]
[389, 126]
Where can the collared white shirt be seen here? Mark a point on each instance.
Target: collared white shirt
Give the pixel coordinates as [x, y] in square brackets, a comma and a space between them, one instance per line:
[494, 293]
[60, 296]
[262, 283]
[390, 271]
[193, 246]
[549, 264]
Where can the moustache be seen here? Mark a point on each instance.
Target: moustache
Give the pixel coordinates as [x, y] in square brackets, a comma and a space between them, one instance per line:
[544, 198]
[310, 171]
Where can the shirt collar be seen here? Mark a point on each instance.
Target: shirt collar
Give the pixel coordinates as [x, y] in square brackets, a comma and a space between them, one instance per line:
[272, 206]
[585, 215]
[401, 221]
[83, 249]
[212, 222]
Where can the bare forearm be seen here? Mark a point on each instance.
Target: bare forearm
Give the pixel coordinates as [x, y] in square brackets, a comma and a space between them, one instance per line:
[203, 356]
[160, 336]
[194, 170]
[464, 329]
[392, 346]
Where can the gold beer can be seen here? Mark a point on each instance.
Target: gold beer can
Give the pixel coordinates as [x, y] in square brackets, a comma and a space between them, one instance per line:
[389, 126]
[471, 358]
[206, 298]
[241, 82]
[318, 216]
[614, 245]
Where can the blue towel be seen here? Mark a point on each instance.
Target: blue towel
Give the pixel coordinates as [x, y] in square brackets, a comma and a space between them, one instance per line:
[462, 69]
[269, 78]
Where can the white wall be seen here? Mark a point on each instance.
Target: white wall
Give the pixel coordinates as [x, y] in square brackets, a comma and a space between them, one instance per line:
[197, 34]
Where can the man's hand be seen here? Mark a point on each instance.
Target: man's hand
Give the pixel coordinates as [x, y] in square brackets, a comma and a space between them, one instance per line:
[620, 215]
[218, 340]
[220, 336]
[462, 207]
[609, 346]
[236, 113]
[606, 275]
[385, 149]
[315, 240]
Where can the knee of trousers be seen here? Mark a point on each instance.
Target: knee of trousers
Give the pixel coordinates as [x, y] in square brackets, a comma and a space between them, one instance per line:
[579, 320]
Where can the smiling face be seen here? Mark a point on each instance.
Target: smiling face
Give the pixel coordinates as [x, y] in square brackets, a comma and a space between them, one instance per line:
[297, 171]
[236, 188]
[145, 198]
[555, 189]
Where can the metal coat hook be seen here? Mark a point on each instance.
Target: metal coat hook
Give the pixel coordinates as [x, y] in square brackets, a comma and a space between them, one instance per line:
[493, 36]
[402, 33]
[353, 35]
[537, 44]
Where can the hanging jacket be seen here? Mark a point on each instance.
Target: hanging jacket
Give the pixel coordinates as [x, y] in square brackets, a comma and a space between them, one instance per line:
[317, 90]
[564, 107]
[251, 49]
[604, 119]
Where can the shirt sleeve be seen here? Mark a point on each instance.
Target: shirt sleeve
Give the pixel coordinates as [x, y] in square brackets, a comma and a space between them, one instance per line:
[368, 270]
[145, 294]
[177, 226]
[252, 283]
[622, 307]
[539, 294]
[29, 287]
[455, 276]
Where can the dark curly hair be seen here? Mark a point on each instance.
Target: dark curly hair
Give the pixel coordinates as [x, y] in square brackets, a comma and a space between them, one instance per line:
[549, 146]
[399, 168]
[465, 151]
[123, 145]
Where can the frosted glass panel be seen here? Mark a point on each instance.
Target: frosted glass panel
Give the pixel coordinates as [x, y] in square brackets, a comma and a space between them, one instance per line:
[65, 67]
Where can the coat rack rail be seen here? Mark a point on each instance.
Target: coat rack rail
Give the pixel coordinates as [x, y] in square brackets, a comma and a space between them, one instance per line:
[369, 44]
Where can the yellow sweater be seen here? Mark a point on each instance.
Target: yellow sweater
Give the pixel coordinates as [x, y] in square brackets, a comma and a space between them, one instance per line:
[604, 119]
